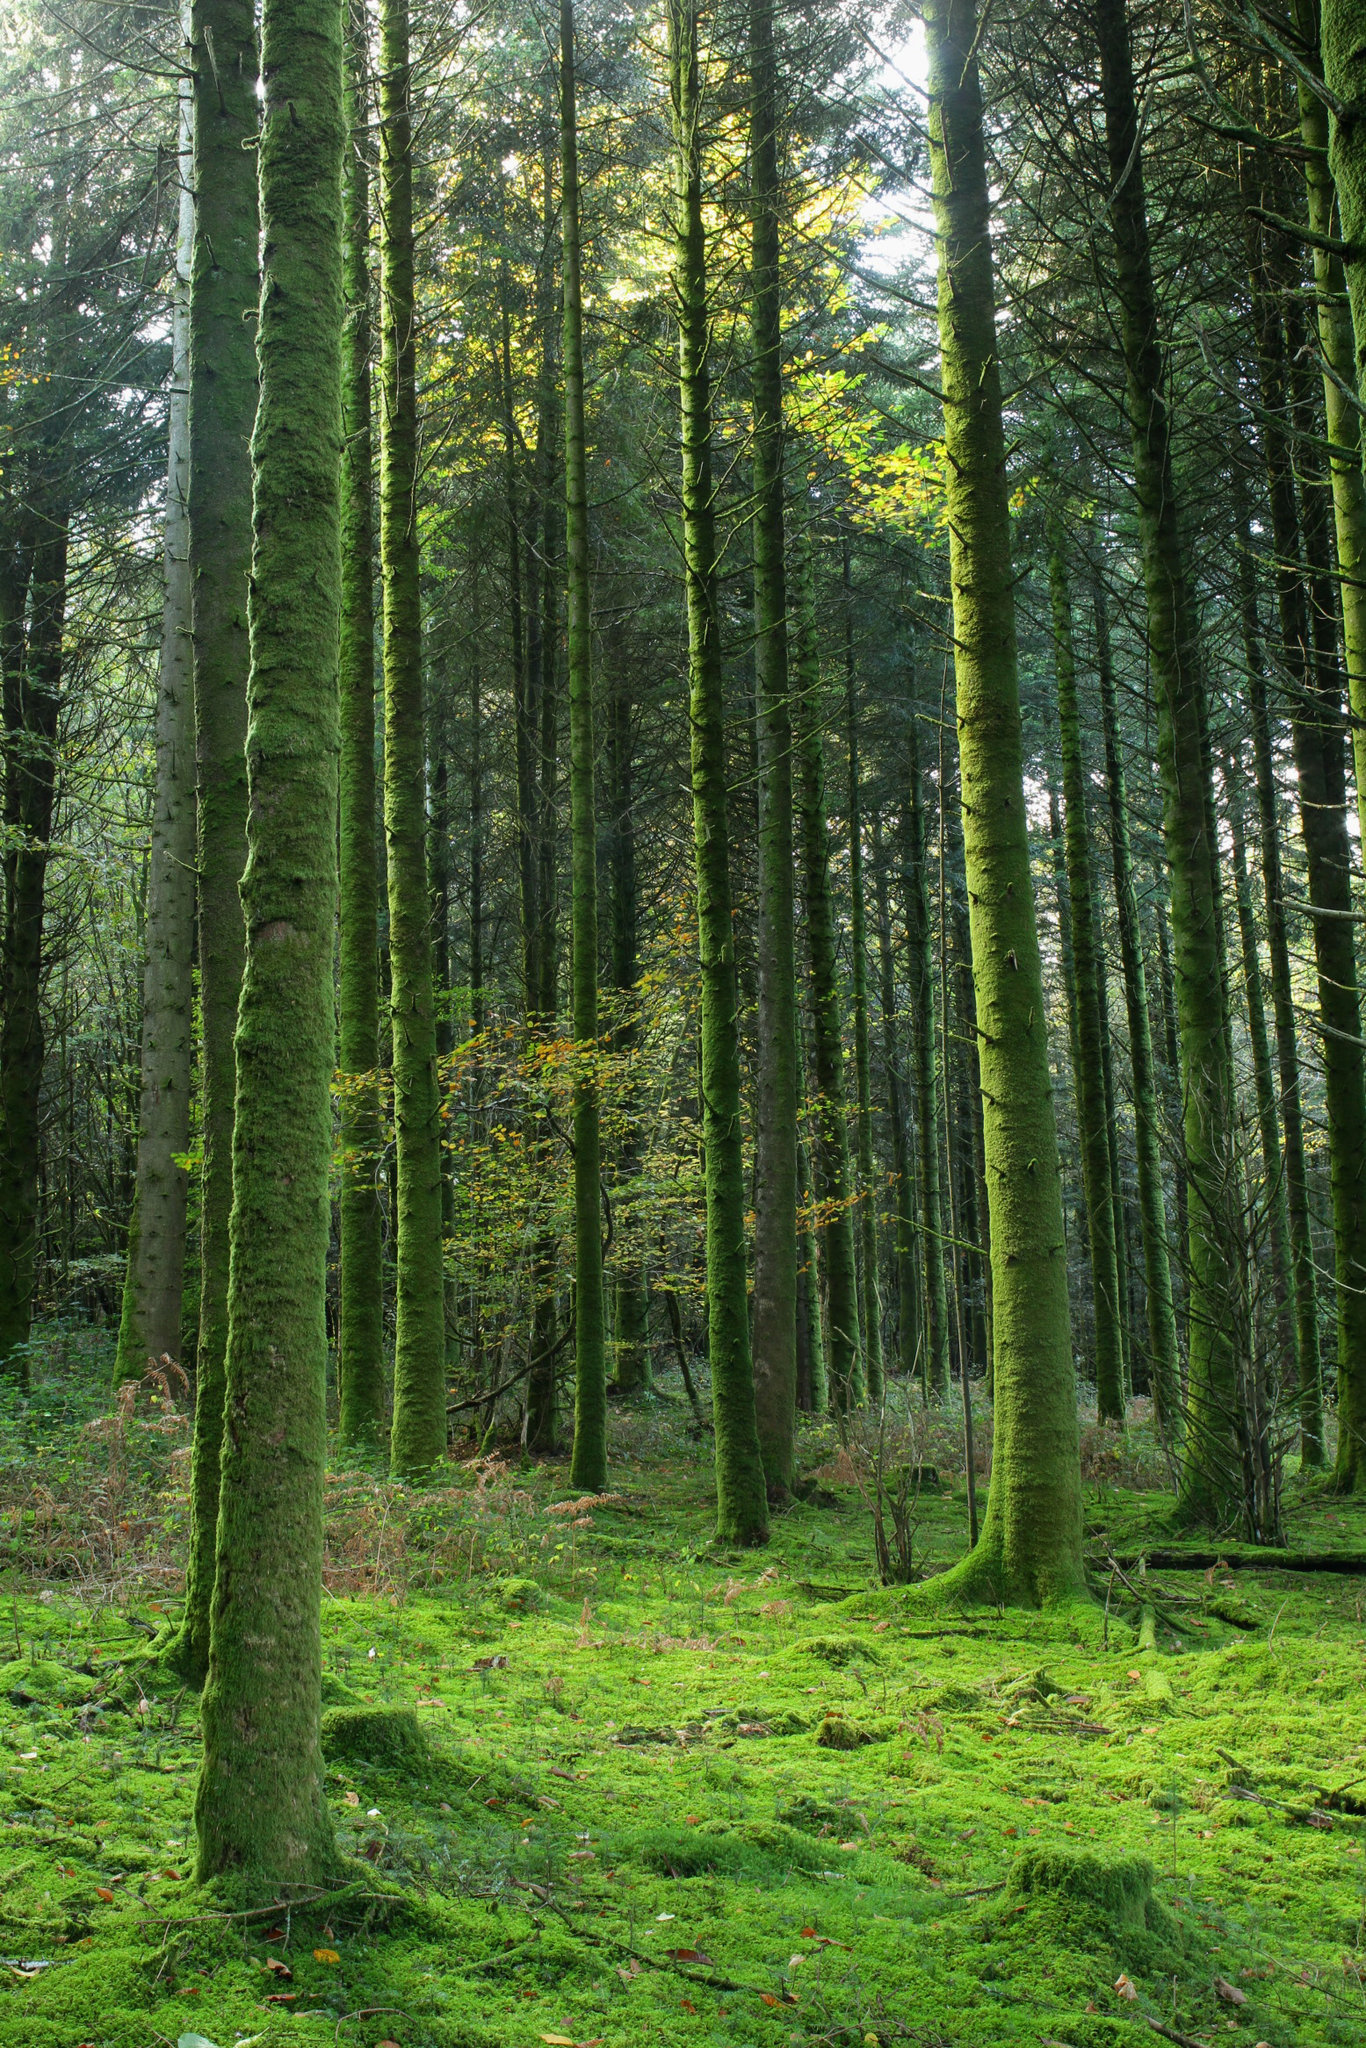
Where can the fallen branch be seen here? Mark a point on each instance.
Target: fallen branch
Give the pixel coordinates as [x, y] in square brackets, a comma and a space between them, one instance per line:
[1242, 1560]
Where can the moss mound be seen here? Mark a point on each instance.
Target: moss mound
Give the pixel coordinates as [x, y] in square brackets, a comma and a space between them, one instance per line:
[387, 1736]
[839, 1650]
[33, 1682]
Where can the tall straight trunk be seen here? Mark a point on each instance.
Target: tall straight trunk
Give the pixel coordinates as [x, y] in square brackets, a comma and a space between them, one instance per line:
[834, 1190]
[1303, 1270]
[1089, 1078]
[523, 689]
[478, 1006]
[153, 1282]
[1340, 373]
[908, 1333]
[1263, 1072]
[1342, 48]
[630, 1293]
[360, 1348]
[925, 1066]
[224, 290]
[742, 1509]
[1163, 1358]
[1030, 1544]
[418, 1436]
[870, 1297]
[31, 711]
[1062, 896]
[260, 1812]
[1210, 1472]
[589, 1468]
[775, 1093]
[1317, 740]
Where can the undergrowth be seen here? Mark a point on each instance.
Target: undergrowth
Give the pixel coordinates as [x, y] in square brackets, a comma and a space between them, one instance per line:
[595, 1781]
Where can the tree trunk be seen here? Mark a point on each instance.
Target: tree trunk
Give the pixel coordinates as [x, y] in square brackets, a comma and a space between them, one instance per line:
[908, 1331]
[589, 1468]
[418, 1435]
[360, 1348]
[1163, 1359]
[1089, 1078]
[775, 1092]
[1030, 1544]
[149, 1328]
[224, 291]
[31, 711]
[1210, 1481]
[834, 1192]
[630, 1293]
[260, 1812]
[870, 1297]
[1343, 50]
[742, 1512]
[920, 978]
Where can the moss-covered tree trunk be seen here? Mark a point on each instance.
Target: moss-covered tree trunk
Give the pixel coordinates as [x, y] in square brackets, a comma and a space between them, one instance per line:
[870, 1294]
[1163, 1358]
[589, 1468]
[1030, 1544]
[149, 1327]
[630, 1292]
[775, 1094]
[360, 1346]
[1317, 734]
[224, 290]
[742, 1509]
[1343, 50]
[31, 710]
[260, 1813]
[925, 1067]
[908, 1332]
[418, 1436]
[833, 1184]
[1089, 1077]
[1210, 1474]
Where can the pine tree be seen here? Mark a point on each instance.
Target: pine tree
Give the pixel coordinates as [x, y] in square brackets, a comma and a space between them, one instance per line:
[1209, 1476]
[742, 1513]
[1088, 1041]
[224, 291]
[589, 1467]
[1030, 1545]
[360, 1335]
[260, 1813]
[149, 1327]
[418, 1437]
[775, 1104]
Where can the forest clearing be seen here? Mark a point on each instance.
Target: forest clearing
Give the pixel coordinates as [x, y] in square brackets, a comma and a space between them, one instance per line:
[682, 1064]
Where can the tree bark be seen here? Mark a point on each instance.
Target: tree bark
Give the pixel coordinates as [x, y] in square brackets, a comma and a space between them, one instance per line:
[149, 1327]
[870, 1296]
[260, 1812]
[920, 976]
[775, 1095]
[742, 1511]
[589, 1467]
[224, 290]
[418, 1436]
[360, 1348]
[1210, 1487]
[1030, 1544]
[1089, 1078]
[833, 1186]
[1163, 1357]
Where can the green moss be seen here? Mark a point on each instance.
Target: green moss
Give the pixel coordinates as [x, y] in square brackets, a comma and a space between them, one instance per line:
[388, 1736]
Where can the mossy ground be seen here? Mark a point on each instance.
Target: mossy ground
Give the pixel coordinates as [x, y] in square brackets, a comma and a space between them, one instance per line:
[623, 1819]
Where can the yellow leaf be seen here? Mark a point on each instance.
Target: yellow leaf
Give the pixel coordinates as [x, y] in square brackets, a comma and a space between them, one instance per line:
[326, 1955]
[560, 2040]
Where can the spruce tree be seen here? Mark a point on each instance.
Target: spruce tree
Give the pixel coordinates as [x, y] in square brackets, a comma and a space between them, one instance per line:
[418, 1435]
[224, 291]
[360, 1333]
[742, 1512]
[589, 1467]
[260, 1813]
[775, 1104]
[1030, 1544]
[149, 1327]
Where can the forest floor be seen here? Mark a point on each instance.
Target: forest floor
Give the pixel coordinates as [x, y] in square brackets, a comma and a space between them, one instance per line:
[648, 1793]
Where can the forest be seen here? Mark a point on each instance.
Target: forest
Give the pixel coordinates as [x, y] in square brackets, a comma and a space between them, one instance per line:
[682, 1062]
